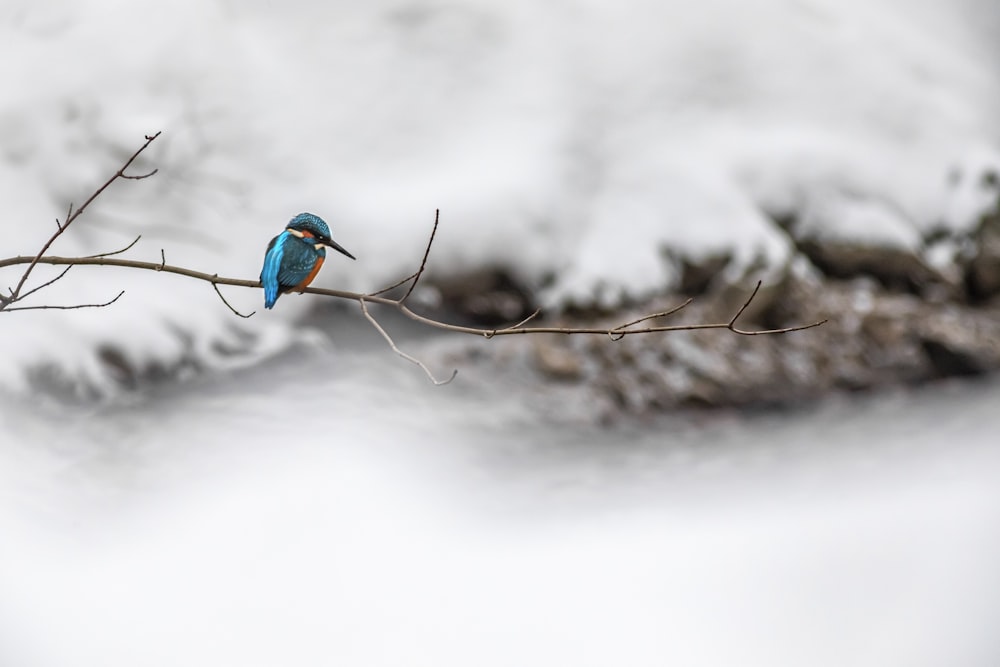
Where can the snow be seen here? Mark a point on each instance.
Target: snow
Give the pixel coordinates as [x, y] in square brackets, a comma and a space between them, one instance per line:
[596, 141]
[209, 528]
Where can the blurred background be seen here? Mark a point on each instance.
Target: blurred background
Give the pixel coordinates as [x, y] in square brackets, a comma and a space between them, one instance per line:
[178, 485]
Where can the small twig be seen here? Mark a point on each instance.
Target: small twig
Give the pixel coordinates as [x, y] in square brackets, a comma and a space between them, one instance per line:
[395, 284]
[229, 305]
[762, 332]
[423, 262]
[525, 320]
[69, 212]
[76, 307]
[45, 284]
[617, 331]
[140, 177]
[388, 339]
[117, 252]
[163, 261]
[520, 324]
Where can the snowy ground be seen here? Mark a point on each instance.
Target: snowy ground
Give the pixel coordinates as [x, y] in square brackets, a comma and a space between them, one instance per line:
[336, 510]
[580, 138]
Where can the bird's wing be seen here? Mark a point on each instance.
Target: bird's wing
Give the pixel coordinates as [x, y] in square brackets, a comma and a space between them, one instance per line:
[297, 262]
[270, 274]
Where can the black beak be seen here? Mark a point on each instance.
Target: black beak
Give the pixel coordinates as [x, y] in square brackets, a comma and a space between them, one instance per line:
[330, 243]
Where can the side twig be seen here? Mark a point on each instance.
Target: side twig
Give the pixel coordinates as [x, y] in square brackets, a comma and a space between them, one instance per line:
[119, 251]
[215, 286]
[74, 307]
[423, 262]
[388, 339]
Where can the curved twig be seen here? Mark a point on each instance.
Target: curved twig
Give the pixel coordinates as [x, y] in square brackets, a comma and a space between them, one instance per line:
[493, 332]
[118, 252]
[215, 286]
[388, 339]
[76, 307]
[423, 262]
[617, 334]
[45, 284]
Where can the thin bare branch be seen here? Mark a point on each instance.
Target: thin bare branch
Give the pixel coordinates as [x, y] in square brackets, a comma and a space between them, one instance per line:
[746, 304]
[617, 333]
[69, 212]
[118, 252]
[395, 284]
[388, 339]
[140, 176]
[76, 307]
[653, 316]
[771, 332]
[215, 286]
[403, 308]
[763, 332]
[423, 262]
[45, 284]
[70, 217]
[493, 332]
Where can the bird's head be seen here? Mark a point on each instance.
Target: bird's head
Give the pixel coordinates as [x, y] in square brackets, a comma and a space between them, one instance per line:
[307, 225]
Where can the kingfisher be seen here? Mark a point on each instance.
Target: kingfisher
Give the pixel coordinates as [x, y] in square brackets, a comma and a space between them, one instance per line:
[295, 256]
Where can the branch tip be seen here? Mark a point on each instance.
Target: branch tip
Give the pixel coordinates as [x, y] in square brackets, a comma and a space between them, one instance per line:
[746, 304]
[215, 286]
[423, 262]
[392, 344]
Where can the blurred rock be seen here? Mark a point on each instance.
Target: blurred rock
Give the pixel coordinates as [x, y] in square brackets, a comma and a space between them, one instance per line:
[891, 319]
[555, 358]
[697, 275]
[488, 297]
[982, 273]
[894, 268]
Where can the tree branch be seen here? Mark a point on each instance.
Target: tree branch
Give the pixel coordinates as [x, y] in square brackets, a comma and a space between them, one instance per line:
[74, 307]
[423, 262]
[110, 259]
[615, 331]
[71, 216]
[378, 327]
[44, 285]
[229, 305]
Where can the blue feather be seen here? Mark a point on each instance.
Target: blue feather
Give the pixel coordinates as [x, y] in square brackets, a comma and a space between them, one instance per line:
[297, 261]
[307, 222]
[272, 267]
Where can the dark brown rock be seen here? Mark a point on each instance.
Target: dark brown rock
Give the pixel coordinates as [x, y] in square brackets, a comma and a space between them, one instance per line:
[982, 273]
[487, 297]
[894, 268]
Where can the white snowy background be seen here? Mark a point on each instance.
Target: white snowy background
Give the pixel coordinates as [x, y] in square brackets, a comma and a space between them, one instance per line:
[328, 506]
[574, 137]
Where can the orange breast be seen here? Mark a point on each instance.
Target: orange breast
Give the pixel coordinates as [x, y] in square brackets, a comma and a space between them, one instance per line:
[312, 274]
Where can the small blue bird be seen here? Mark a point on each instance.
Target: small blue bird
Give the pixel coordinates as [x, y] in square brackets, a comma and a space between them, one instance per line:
[295, 256]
